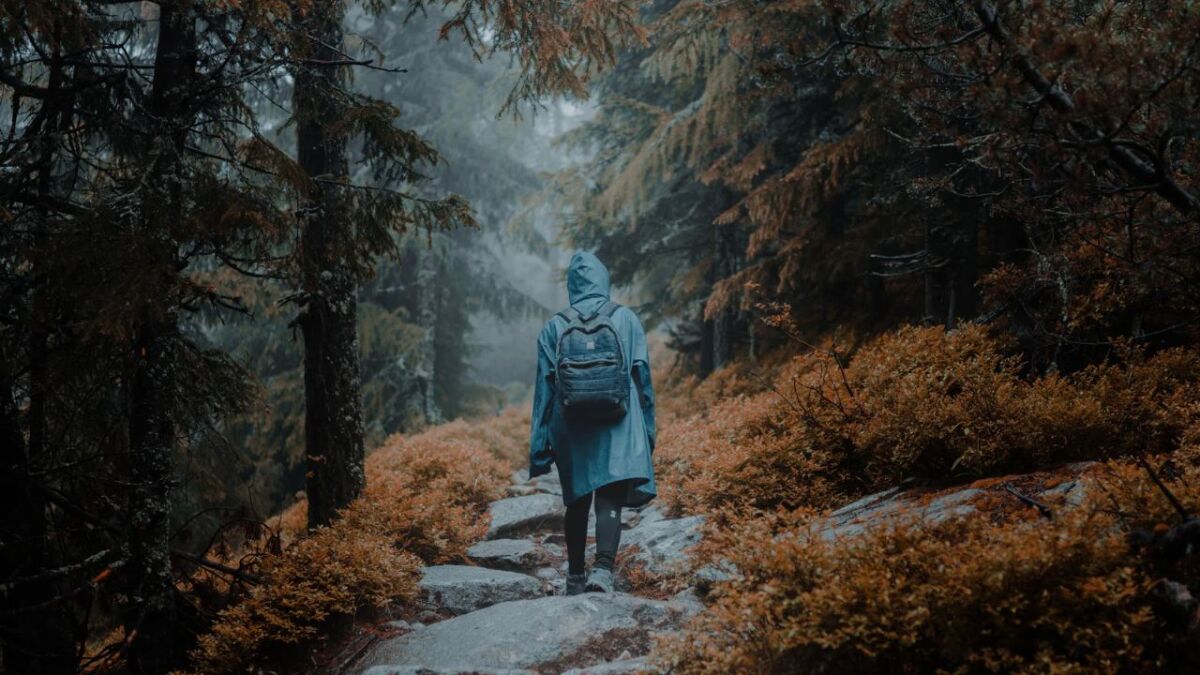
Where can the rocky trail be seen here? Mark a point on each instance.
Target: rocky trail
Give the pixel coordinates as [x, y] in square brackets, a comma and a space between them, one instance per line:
[506, 612]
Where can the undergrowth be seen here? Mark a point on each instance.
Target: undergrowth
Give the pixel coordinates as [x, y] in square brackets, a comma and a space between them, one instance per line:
[915, 403]
[425, 503]
[1072, 594]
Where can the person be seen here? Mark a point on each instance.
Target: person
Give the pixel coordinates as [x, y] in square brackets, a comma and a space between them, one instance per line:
[607, 461]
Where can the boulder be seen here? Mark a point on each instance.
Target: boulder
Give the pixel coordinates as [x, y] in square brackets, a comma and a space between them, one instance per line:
[424, 670]
[662, 543]
[856, 517]
[519, 490]
[517, 515]
[462, 588]
[929, 506]
[619, 667]
[549, 634]
[506, 554]
[548, 484]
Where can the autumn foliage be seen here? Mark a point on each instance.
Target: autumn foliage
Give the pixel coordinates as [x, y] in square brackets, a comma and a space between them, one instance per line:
[1005, 589]
[918, 403]
[425, 503]
[1075, 593]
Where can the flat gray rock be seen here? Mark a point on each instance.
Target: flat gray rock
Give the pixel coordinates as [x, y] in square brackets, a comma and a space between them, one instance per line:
[424, 670]
[464, 588]
[546, 483]
[662, 543]
[887, 506]
[857, 517]
[506, 554]
[549, 634]
[619, 667]
[517, 515]
[519, 490]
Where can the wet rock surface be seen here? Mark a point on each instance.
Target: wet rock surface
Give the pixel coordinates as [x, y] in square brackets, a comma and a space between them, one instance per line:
[506, 615]
[662, 544]
[1038, 490]
[620, 667]
[424, 670]
[459, 589]
[507, 554]
[519, 515]
[550, 634]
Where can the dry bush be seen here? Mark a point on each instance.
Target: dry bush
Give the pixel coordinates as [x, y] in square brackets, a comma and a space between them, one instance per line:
[425, 503]
[967, 595]
[918, 402]
[458, 464]
[336, 572]
[744, 452]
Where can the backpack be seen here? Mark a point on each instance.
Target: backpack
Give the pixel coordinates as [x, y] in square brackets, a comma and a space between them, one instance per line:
[593, 380]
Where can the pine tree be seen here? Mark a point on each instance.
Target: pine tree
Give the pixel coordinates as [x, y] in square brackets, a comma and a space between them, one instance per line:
[333, 418]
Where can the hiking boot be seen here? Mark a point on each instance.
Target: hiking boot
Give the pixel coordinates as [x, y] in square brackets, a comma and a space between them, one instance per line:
[576, 583]
[600, 580]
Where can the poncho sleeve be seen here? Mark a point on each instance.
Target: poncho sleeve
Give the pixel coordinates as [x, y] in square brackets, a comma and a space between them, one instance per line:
[541, 455]
[640, 356]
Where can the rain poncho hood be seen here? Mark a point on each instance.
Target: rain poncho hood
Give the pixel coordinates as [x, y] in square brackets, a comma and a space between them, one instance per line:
[591, 455]
[587, 278]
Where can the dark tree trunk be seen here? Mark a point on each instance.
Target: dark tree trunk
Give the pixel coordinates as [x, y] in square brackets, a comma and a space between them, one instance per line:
[152, 442]
[333, 430]
[39, 640]
[152, 432]
[966, 270]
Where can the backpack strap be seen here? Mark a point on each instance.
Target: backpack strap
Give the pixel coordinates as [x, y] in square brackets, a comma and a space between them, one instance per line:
[609, 308]
[570, 315]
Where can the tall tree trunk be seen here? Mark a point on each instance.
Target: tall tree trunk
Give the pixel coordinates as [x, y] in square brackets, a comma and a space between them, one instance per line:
[156, 645]
[39, 640]
[333, 431]
[929, 279]
[427, 316]
[967, 270]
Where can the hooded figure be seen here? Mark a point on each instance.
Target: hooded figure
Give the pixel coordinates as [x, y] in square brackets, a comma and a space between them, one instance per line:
[611, 459]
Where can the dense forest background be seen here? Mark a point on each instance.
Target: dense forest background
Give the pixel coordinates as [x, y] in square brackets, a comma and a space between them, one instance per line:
[243, 243]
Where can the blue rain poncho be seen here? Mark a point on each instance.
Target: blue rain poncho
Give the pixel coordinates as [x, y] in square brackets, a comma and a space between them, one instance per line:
[590, 455]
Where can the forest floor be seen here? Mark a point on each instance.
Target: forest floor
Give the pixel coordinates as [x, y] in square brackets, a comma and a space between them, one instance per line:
[502, 609]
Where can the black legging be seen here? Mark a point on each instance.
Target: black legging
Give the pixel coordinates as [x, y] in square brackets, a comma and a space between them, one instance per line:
[609, 499]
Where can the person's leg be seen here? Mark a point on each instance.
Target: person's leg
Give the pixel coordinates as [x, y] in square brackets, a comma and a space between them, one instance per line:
[609, 500]
[575, 532]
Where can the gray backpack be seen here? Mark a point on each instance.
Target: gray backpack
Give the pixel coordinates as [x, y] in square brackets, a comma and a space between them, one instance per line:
[592, 375]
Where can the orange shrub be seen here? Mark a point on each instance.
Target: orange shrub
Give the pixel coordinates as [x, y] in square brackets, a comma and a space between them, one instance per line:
[335, 572]
[967, 595]
[918, 402]
[424, 504]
